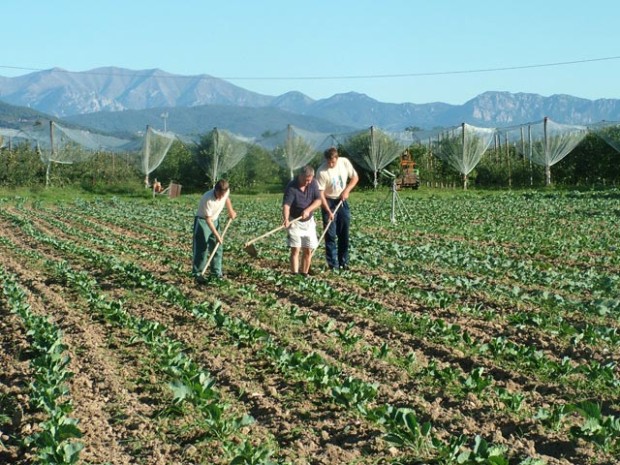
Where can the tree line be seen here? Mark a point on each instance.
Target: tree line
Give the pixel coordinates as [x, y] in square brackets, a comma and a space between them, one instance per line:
[593, 163]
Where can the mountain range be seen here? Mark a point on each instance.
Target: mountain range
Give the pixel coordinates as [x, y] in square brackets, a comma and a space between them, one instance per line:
[118, 100]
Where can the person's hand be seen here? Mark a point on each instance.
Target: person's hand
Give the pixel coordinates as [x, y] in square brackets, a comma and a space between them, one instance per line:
[286, 223]
[232, 215]
[344, 196]
[330, 215]
[220, 240]
[305, 214]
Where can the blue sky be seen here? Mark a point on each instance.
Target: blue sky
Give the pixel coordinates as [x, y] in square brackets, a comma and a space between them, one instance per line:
[322, 48]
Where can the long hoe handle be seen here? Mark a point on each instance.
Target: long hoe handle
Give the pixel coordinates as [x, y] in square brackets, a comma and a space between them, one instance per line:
[215, 248]
[326, 228]
[269, 233]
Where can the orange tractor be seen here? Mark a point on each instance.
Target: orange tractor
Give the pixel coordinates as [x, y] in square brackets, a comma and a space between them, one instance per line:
[409, 176]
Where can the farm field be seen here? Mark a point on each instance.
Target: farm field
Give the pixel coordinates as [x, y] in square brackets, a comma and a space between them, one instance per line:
[483, 329]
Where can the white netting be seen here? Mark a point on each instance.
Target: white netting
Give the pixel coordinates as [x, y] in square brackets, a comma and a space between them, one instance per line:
[546, 142]
[10, 137]
[609, 131]
[56, 143]
[293, 148]
[155, 146]
[374, 149]
[70, 145]
[60, 144]
[462, 147]
[219, 152]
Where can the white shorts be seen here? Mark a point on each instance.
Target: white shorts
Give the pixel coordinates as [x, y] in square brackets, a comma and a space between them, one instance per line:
[303, 234]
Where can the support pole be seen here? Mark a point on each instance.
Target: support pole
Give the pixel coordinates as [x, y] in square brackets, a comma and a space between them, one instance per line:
[547, 162]
[49, 160]
[146, 155]
[465, 179]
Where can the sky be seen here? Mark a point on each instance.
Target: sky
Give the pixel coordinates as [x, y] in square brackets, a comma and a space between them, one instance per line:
[393, 51]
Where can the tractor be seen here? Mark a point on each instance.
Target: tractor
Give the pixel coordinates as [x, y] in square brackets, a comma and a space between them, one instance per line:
[409, 176]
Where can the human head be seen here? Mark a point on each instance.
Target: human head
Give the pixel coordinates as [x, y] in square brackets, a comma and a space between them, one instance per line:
[221, 187]
[305, 175]
[331, 156]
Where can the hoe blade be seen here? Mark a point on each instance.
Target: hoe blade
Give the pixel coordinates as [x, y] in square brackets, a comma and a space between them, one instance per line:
[251, 250]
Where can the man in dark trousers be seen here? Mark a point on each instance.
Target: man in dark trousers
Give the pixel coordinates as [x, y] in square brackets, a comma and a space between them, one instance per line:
[336, 178]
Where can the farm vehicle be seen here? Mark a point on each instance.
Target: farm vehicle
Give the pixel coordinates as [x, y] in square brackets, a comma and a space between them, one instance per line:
[409, 175]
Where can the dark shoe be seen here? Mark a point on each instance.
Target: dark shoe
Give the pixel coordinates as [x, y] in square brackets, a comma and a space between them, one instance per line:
[344, 267]
[200, 280]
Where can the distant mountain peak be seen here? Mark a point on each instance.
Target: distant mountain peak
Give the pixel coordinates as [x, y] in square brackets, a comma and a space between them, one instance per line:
[104, 90]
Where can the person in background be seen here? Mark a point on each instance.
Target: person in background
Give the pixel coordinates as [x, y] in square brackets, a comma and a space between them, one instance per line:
[207, 230]
[336, 178]
[301, 199]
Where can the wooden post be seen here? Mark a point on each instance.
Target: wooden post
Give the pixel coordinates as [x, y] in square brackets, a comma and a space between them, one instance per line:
[508, 160]
[49, 159]
[216, 156]
[146, 156]
[463, 154]
[547, 165]
[372, 153]
[288, 153]
[529, 137]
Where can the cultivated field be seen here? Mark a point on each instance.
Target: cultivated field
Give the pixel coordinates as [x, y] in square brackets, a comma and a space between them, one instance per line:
[485, 329]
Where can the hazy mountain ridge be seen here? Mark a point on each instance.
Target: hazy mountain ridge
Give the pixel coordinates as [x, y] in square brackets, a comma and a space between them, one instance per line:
[61, 93]
[246, 121]
[117, 99]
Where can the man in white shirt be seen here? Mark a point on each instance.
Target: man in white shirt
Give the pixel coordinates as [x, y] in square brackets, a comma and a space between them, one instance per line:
[207, 231]
[336, 178]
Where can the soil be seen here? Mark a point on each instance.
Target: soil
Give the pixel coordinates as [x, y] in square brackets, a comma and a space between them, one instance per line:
[119, 392]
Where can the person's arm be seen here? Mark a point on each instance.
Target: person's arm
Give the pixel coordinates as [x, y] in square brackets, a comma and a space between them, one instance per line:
[213, 229]
[307, 213]
[232, 214]
[347, 190]
[325, 206]
[286, 213]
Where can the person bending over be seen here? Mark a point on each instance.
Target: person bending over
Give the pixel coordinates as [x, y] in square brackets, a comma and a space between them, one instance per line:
[301, 199]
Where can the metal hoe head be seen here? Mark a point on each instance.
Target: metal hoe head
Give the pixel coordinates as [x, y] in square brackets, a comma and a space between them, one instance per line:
[251, 250]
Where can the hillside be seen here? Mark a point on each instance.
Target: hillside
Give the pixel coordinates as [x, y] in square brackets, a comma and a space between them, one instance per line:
[246, 121]
[116, 99]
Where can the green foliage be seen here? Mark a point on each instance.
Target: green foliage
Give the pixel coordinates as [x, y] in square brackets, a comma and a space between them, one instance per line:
[179, 166]
[21, 167]
[257, 171]
[405, 430]
[602, 430]
[249, 454]
[592, 163]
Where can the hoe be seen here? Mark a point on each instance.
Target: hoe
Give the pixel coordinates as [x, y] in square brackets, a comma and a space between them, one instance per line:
[216, 246]
[249, 246]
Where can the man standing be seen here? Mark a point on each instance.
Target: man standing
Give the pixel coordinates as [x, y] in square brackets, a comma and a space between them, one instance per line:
[301, 198]
[207, 230]
[336, 178]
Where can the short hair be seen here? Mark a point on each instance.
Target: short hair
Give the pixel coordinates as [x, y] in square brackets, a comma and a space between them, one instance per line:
[307, 170]
[221, 186]
[330, 153]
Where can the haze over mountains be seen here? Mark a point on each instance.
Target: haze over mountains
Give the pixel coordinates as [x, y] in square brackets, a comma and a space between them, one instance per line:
[122, 100]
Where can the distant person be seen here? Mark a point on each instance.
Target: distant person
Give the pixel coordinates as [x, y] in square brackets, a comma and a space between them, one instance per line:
[336, 178]
[301, 199]
[207, 230]
[157, 187]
